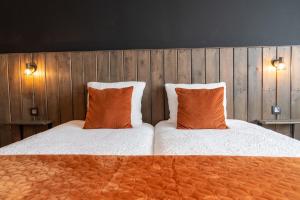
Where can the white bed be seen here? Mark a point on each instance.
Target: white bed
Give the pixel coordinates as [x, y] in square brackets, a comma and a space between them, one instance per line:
[70, 138]
[241, 139]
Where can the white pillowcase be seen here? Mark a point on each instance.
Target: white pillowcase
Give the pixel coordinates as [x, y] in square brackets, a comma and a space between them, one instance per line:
[136, 101]
[173, 99]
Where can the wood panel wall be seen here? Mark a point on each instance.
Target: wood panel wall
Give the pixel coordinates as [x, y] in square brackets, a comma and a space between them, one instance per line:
[58, 88]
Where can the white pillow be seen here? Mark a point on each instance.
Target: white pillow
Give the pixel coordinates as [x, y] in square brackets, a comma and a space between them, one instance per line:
[173, 99]
[136, 101]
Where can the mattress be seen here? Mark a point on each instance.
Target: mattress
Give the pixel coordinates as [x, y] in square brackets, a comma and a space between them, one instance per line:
[148, 177]
[70, 138]
[240, 139]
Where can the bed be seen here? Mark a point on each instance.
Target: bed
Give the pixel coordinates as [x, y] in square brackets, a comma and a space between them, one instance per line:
[70, 138]
[240, 139]
[148, 177]
[68, 162]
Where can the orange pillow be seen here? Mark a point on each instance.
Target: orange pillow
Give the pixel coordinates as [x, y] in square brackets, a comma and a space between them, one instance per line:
[200, 109]
[109, 108]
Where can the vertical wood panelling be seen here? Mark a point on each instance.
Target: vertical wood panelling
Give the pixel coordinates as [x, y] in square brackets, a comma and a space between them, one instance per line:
[157, 82]
[212, 65]
[65, 87]
[103, 66]
[5, 136]
[130, 65]
[240, 83]
[14, 77]
[170, 73]
[78, 86]
[226, 75]
[198, 65]
[170, 65]
[254, 84]
[90, 71]
[116, 66]
[184, 66]
[89, 66]
[295, 80]
[27, 93]
[284, 89]
[52, 84]
[27, 88]
[40, 85]
[144, 74]
[58, 88]
[269, 82]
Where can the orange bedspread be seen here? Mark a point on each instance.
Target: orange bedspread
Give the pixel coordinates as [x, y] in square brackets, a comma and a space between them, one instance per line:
[160, 177]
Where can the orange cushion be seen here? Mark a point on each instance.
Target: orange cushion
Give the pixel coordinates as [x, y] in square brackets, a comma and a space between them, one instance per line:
[200, 109]
[109, 108]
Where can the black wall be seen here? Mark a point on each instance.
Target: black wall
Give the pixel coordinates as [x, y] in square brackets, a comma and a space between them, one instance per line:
[59, 25]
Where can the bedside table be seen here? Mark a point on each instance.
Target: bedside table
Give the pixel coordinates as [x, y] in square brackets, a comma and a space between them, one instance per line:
[22, 123]
[291, 122]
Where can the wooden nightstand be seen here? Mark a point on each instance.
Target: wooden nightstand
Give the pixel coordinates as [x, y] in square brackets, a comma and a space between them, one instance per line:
[291, 122]
[22, 123]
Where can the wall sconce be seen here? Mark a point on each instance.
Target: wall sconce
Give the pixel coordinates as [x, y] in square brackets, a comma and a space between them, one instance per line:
[279, 63]
[30, 68]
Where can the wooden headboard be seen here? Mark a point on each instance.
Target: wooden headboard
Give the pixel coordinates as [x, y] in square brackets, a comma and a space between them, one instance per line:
[58, 88]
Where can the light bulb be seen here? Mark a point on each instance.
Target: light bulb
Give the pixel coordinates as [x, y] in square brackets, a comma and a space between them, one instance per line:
[28, 72]
[281, 66]
[30, 68]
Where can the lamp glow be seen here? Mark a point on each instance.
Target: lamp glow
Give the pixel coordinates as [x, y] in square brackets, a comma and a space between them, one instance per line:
[279, 64]
[30, 68]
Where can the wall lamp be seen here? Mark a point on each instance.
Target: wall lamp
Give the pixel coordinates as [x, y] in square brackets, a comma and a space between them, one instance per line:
[30, 68]
[279, 64]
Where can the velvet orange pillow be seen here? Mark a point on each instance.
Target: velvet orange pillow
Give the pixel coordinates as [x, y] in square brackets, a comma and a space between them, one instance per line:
[200, 108]
[109, 108]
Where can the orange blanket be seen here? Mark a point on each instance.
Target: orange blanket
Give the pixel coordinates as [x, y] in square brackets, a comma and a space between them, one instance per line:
[148, 177]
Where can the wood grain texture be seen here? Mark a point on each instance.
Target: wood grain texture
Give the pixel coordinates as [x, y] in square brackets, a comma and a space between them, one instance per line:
[240, 84]
[198, 65]
[103, 66]
[39, 85]
[5, 135]
[212, 65]
[284, 89]
[65, 87]
[144, 74]
[116, 66]
[15, 96]
[254, 84]
[52, 84]
[184, 66]
[170, 73]
[130, 65]
[78, 86]
[90, 71]
[27, 92]
[170, 65]
[58, 88]
[39, 90]
[226, 75]
[90, 66]
[157, 86]
[269, 84]
[27, 87]
[295, 87]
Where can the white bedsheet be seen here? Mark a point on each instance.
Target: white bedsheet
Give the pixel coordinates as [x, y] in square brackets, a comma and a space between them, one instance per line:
[70, 138]
[241, 139]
